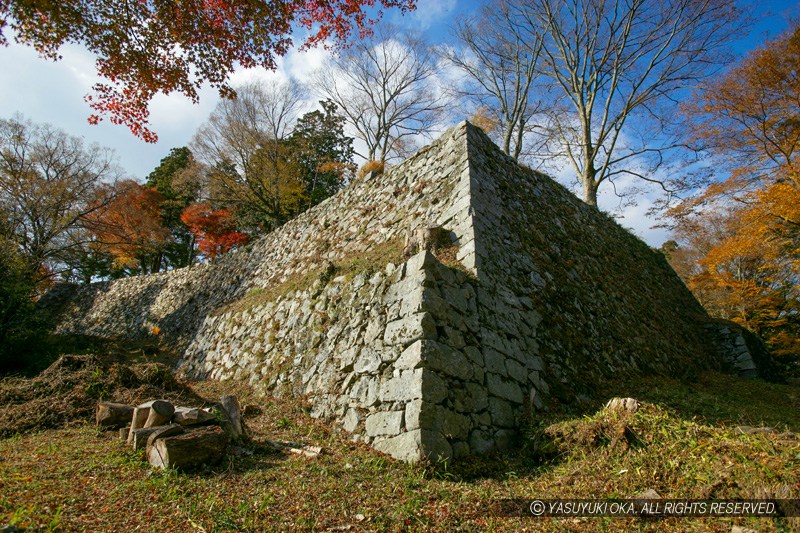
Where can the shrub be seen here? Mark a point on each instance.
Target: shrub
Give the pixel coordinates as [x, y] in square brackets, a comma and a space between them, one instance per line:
[371, 166]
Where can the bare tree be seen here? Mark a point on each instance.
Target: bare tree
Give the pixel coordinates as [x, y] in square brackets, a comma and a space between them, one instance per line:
[386, 87]
[48, 185]
[241, 145]
[499, 59]
[613, 66]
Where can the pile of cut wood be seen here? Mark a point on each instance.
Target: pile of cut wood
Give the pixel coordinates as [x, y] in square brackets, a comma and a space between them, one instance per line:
[180, 437]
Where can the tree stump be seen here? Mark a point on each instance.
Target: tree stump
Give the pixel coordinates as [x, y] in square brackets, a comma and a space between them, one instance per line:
[160, 413]
[110, 414]
[202, 446]
[622, 405]
[233, 423]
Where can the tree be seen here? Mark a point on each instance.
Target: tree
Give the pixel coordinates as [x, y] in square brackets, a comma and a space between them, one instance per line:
[749, 119]
[145, 48]
[177, 179]
[611, 66]
[249, 168]
[499, 61]
[731, 264]
[323, 151]
[48, 180]
[130, 228]
[214, 229]
[17, 290]
[386, 88]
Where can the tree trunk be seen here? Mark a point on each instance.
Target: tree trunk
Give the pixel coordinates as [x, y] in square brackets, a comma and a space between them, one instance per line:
[111, 414]
[589, 191]
[204, 446]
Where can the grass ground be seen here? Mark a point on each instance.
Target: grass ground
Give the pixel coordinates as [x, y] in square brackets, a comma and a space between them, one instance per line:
[683, 443]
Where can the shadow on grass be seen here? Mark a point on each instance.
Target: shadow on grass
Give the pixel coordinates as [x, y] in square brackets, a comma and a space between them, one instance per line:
[719, 399]
[713, 399]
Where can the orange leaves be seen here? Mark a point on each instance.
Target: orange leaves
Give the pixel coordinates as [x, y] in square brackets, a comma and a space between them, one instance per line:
[752, 114]
[145, 48]
[214, 229]
[127, 223]
[745, 229]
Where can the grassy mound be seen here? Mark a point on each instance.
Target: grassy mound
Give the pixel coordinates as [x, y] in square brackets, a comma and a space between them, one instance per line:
[68, 391]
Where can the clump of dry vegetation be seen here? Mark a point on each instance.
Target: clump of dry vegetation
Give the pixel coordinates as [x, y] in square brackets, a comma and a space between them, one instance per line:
[67, 392]
[378, 167]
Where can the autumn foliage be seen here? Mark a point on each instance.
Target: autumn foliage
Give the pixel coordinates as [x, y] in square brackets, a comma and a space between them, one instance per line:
[214, 229]
[128, 226]
[146, 48]
[740, 251]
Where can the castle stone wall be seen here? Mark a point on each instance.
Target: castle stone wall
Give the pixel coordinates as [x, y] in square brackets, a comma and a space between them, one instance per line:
[540, 299]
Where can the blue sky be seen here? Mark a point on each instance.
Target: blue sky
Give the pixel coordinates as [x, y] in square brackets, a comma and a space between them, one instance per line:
[53, 92]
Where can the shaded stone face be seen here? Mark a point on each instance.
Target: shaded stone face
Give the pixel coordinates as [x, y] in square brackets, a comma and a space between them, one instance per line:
[538, 299]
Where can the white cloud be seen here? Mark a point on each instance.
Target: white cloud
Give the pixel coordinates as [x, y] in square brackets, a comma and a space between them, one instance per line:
[430, 13]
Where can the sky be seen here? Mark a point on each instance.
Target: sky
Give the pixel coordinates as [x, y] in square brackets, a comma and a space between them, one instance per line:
[52, 92]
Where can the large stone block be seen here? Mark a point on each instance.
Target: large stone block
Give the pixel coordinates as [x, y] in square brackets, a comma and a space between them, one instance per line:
[409, 329]
[384, 423]
[504, 388]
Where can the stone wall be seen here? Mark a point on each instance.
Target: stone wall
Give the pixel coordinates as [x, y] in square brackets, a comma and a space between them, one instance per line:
[537, 299]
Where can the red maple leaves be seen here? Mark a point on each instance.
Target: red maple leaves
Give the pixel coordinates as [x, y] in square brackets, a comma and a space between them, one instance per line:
[214, 229]
[148, 47]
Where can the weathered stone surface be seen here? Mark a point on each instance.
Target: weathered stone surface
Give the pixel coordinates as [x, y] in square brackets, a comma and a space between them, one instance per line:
[384, 423]
[406, 330]
[351, 420]
[447, 361]
[406, 446]
[504, 388]
[502, 413]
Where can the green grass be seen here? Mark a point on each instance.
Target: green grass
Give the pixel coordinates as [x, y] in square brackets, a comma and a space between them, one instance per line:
[81, 479]
[376, 258]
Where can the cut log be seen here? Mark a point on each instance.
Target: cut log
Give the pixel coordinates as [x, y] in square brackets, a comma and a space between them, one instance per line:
[164, 431]
[191, 416]
[110, 414]
[140, 414]
[160, 413]
[233, 423]
[123, 433]
[202, 446]
[141, 436]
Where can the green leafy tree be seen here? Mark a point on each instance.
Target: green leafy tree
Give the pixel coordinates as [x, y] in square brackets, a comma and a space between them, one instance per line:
[176, 178]
[324, 152]
[17, 289]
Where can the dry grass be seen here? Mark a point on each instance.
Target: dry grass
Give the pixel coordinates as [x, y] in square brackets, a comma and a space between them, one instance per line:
[80, 479]
[67, 392]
